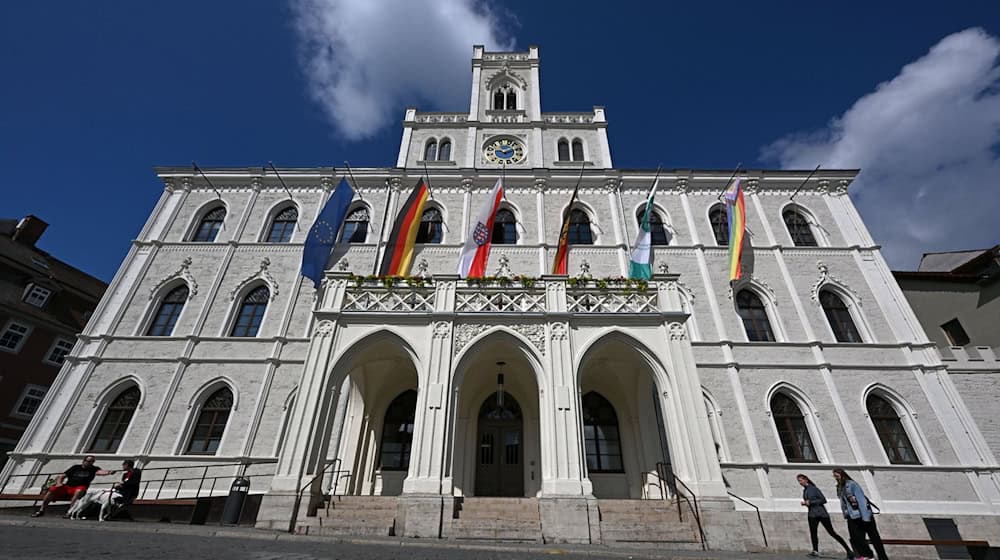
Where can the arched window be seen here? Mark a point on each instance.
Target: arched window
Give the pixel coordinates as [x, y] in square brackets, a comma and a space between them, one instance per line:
[283, 226]
[355, 226]
[251, 312]
[511, 100]
[891, 432]
[658, 234]
[211, 423]
[397, 432]
[210, 225]
[754, 315]
[839, 317]
[579, 228]
[600, 435]
[116, 420]
[431, 227]
[498, 100]
[563, 150]
[720, 224]
[430, 152]
[792, 430]
[504, 228]
[798, 228]
[170, 309]
[444, 153]
[577, 150]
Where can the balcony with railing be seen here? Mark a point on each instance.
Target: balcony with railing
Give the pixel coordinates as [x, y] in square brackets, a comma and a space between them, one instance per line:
[515, 295]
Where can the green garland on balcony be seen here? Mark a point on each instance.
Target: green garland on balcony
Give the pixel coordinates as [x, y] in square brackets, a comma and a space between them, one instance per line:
[527, 282]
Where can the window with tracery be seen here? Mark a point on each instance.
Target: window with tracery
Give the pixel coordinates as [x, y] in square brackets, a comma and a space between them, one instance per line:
[444, 152]
[430, 152]
[116, 421]
[657, 232]
[755, 320]
[170, 310]
[505, 98]
[720, 225]
[792, 430]
[283, 226]
[798, 229]
[504, 228]
[891, 431]
[210, 225]
[577, 150]
[431, 228]
[355, 226]
[251, 313]
[211, 423]
[839, 317]
[579, 228]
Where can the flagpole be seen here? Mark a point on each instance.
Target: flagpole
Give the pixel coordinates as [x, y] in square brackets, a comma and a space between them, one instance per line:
[803, 183]
[726, 186]
[381, 229]
[283, 185]
[207, 180]
[564, 227]
[427, 174]
[353, 180]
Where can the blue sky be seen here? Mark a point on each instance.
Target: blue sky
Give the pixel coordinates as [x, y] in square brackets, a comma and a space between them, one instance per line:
[96, 94]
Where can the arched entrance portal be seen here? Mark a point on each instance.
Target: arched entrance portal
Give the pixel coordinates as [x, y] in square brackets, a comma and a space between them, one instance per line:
[500, 458]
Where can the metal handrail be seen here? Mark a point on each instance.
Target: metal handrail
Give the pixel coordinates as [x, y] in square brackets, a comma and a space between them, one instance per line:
[692, 501]
[759, 520]
[298, 495]
[144, 494]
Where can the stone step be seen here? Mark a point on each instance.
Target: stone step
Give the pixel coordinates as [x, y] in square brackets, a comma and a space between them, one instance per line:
[364, 502]
[499, 534]
[492, 524]
[346, 514]
[650, 516]
[636, 505]
[624, 535]
[352, 530]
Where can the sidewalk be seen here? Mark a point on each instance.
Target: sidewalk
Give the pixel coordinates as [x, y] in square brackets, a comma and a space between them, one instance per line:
[124, 534]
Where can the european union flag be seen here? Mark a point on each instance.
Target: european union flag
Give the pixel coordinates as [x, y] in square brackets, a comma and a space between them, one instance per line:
[323, 233]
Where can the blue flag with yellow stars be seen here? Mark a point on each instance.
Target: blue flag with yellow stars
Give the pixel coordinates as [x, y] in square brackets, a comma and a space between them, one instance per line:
[323, 233]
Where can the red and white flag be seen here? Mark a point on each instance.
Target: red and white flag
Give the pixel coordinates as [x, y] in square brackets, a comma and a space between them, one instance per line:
[475, 253]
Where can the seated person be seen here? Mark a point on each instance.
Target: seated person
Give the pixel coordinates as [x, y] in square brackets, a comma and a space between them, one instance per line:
[129, 486]
[72, 484]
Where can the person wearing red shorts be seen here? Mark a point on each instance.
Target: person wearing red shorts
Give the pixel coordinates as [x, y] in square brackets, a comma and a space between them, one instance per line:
[72, 484]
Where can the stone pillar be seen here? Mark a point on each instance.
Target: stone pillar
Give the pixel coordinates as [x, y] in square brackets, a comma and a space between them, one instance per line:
[303, 454]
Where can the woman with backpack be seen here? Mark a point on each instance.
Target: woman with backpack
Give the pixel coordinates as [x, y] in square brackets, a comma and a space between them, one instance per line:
[814, 499]
[858, 513]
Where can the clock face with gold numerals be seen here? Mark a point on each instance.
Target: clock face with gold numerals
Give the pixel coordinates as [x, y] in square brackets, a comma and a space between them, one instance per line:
[504, 151]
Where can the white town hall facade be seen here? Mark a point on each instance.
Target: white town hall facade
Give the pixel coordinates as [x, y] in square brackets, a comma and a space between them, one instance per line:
[209, 348]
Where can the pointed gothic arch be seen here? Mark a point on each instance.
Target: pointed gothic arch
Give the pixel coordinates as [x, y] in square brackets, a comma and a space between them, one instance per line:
[807, 410]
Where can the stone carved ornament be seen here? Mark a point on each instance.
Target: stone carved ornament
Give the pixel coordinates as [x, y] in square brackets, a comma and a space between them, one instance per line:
[825, 278]
[677, 331]
[261, 273]
[465, 332]
[184, 273]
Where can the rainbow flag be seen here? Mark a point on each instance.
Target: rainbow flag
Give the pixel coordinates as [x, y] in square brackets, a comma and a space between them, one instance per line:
[736, 211]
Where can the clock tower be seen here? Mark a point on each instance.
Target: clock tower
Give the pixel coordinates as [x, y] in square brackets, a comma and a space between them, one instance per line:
[504, 125]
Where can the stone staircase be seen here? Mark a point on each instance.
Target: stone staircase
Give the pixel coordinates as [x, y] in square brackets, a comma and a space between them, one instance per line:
[500, 519]
[651, 521]
[352, 515]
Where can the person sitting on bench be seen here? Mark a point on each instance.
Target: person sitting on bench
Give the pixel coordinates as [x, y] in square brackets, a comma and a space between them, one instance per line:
[72, 484]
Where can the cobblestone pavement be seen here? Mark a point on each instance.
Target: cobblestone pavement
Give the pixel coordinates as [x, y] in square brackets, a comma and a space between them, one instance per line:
[52, 537]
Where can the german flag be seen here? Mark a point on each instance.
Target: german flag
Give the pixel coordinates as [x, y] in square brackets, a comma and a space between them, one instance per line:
[399, 248]
[559, 266]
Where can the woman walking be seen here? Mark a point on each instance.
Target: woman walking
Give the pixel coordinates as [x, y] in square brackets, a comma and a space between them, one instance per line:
[858, 513]
[814, 499]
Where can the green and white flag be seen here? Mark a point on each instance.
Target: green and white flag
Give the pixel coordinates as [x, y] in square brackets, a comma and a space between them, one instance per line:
[639, 267]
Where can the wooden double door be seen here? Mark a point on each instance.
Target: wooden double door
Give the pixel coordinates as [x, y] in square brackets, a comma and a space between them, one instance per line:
[500, 449]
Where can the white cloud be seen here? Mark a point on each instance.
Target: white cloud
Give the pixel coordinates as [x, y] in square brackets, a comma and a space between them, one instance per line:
[928, 146]
[365, 60]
